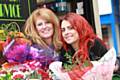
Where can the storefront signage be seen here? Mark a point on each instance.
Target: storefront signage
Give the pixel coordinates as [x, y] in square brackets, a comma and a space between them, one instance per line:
[16, 11]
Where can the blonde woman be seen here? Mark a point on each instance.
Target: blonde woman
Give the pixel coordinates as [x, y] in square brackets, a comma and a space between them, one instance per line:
[42, 27]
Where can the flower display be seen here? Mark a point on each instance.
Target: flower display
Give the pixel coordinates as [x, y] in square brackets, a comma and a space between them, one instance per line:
[19, 60]
[16, 71]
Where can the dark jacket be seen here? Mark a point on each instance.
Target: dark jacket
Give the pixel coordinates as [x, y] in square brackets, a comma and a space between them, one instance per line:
[95, 52]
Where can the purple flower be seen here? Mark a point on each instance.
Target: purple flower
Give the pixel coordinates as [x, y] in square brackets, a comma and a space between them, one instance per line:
[17, 53]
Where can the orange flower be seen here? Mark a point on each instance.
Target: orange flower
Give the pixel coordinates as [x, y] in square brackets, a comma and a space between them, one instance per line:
[22, 41]
[1, 45]
[9, 65]
[16, 34]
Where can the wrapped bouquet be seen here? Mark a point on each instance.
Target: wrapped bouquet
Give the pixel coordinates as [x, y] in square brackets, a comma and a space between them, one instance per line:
[101, 70]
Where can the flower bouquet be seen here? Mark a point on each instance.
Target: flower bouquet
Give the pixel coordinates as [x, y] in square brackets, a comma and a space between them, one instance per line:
[101, 70]
[5, 29]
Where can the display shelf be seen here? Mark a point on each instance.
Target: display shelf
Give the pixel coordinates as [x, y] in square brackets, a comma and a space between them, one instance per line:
[61, 7]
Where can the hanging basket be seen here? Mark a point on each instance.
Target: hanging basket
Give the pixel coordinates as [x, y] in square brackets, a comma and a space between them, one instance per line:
[6, 28]
[13, 26]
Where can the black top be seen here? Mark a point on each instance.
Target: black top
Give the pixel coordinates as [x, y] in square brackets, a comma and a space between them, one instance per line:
[95, 52]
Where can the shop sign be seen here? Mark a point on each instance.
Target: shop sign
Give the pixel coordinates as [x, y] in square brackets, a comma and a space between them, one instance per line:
[15, 11]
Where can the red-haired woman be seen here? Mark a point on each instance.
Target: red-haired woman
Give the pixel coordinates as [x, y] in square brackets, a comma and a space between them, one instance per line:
[80, 45]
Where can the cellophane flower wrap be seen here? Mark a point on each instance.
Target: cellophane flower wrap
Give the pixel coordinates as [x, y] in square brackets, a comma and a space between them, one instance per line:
[16, 45]
[101, 70]
[44, 55]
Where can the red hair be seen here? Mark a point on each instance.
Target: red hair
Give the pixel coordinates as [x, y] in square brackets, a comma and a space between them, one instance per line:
[85, 31]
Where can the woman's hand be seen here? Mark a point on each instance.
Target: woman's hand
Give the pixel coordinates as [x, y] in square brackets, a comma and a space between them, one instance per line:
[56, 68]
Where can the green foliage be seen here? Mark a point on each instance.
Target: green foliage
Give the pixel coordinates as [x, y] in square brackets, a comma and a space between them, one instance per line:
[6, 77]
[35, 75]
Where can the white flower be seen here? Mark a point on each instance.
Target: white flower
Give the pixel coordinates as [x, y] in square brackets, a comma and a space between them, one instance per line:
[18, 73]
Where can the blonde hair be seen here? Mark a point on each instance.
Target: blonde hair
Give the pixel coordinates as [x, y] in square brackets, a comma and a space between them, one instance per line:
[30, 28]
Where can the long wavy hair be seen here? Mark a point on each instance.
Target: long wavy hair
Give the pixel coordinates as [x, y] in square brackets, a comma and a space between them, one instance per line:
[31, 31]
[86, 35]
